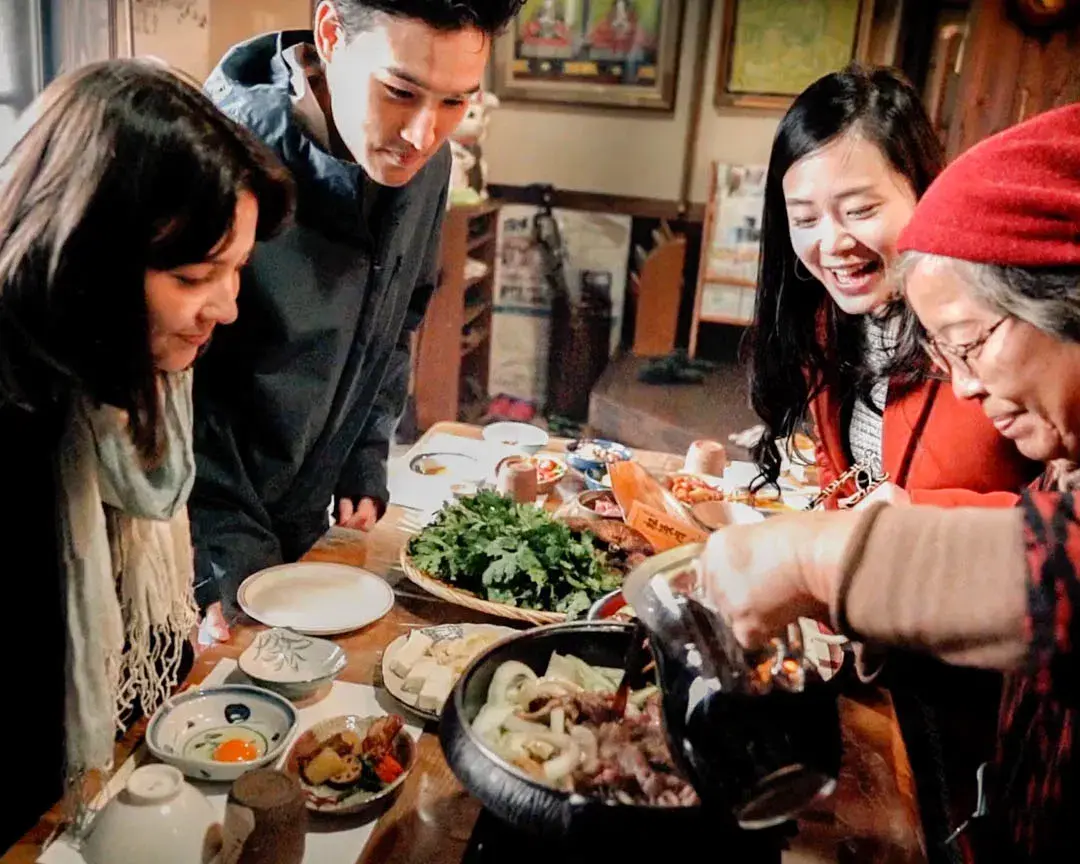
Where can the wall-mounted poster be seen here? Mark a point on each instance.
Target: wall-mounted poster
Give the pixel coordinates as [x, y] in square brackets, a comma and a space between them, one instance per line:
[735, 235]
[600, 52]
[597, 247]
[731, 239]
[771, 50]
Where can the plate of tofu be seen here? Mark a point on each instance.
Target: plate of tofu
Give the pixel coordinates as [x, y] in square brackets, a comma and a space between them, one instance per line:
[420, 668]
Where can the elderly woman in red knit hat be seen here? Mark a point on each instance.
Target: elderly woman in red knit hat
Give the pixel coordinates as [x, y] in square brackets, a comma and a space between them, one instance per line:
[992, 269]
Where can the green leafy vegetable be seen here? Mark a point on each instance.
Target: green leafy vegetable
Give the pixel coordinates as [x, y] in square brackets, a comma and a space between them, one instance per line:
[514, 554]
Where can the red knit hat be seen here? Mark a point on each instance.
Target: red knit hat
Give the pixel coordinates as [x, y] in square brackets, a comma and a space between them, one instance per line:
[1013, 199]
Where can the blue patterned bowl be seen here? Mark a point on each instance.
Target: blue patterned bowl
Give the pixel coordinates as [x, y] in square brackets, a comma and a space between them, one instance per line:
[247, 727]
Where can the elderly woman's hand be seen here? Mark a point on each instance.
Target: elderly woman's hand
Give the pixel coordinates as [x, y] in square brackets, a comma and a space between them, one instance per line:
[765, 576]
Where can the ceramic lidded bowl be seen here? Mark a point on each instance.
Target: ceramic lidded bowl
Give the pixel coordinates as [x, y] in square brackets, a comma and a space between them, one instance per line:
[218, 733]
[155, 817]
[521, 437]
[291, 663]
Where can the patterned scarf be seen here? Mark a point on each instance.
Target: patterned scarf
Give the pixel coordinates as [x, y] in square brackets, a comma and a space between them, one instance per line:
[128, 570]
[1038, 772]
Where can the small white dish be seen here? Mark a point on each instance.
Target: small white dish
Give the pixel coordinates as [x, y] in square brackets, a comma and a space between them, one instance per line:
[520, 437]
[315, 598]
[290, 663]
[452, 467]
[739, 474]
[714, 515]
[198, 729]
[155, 817]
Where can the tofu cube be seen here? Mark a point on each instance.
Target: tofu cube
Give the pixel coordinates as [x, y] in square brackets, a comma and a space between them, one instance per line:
[411, 653]
[436, 689]
[418, 676]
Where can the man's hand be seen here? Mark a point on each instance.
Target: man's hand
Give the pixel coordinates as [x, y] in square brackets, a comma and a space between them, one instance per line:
[212, 629]
[360, 517]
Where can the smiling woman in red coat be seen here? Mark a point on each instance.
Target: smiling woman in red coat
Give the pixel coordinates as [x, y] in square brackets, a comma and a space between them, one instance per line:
[849, 161]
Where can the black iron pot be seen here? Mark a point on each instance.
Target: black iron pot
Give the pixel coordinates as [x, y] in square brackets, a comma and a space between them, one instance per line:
[512, 795]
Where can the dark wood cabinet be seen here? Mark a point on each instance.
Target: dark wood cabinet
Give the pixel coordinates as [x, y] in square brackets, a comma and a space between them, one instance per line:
[452, 348]
[1010, 73]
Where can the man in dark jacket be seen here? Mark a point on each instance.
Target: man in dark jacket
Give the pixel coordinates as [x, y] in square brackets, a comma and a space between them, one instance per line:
[298, 402]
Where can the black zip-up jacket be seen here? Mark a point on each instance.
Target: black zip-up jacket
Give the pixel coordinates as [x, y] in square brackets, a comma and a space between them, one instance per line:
[298, 400]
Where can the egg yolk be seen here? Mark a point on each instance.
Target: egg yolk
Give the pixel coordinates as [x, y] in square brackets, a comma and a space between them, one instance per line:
[235, 750]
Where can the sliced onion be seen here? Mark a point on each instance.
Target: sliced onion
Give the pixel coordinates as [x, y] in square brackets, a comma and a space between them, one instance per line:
[490, 720]
[513, 723]
[511, 746]
[559, 767]
[545, 688]
[640, 697]
[507, 682]
[558, 721]
[565, 685]
[585, 738]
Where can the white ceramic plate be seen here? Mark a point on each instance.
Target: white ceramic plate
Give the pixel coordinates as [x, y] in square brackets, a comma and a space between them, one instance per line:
[395, 683]
[452, 467]
[315, 598]
[518, 436]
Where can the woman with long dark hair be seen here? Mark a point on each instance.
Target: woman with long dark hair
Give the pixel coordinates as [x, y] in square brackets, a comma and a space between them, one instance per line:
[849, 161]
[128, 205]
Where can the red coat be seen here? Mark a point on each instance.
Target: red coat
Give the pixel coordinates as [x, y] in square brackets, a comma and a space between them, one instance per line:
[955, 459]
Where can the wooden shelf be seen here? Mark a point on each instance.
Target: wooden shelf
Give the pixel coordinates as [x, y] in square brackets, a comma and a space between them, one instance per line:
[714, 279]
[473, 312]
[473, 211]
[473, 340]
[476, 280]
[724, 319]
[451, 365]
[482, 240]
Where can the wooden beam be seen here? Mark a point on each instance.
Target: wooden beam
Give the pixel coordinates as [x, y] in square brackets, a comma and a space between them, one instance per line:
[596, 202]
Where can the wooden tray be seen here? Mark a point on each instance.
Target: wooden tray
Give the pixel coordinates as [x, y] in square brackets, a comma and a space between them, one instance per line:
[470, 601]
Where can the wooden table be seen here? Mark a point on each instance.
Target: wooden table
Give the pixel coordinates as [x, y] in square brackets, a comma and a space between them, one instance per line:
[871, 818]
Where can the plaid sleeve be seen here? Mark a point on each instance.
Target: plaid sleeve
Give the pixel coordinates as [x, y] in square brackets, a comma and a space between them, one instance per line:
[1052, 541]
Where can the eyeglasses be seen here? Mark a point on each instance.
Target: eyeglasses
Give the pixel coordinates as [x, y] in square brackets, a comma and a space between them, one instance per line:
[958, 358]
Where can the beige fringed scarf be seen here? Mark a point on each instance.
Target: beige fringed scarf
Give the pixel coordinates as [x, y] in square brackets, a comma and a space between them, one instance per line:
[127, 558]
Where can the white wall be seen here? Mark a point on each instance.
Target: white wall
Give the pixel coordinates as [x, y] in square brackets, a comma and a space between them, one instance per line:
[633, 153]
[639, 153]
[194, 34]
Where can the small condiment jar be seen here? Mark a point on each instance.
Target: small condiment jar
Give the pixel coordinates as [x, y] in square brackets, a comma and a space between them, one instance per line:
[265, 821]
[706, 457]
[517, 480]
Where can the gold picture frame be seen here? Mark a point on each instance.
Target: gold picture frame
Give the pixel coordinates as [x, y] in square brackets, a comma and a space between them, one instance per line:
[771, 50]
[614, 53]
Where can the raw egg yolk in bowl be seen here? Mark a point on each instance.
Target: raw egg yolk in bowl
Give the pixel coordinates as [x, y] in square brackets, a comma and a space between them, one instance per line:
[235, 750]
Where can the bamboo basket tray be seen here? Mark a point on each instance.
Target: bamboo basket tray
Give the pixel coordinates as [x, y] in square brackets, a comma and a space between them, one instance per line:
[470, 601]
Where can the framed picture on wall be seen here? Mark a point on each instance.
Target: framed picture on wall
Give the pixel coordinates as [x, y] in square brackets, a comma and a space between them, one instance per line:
[771, 50]
[621, 53]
